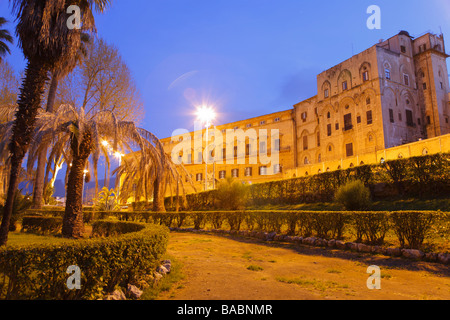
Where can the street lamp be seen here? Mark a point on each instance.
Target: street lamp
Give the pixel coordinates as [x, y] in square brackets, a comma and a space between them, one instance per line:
[118, 155]
[84, 179]
[206, 115]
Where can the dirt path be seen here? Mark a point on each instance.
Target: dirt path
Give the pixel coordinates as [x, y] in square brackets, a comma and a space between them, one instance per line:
[235, 268]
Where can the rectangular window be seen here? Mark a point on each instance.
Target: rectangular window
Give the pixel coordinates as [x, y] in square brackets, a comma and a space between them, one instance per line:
[305, 142]
[387, 73]
[348, 122]
[199, 177]
[399, 117]
[235, 173]
[248, 171]
[391, 116]
[263, 171]
[200, 156]
[428, 120]
[326, 93]
[318, 139]
[276, 146]
[424, 86]
[406, 79]
[304, 116]
[403, 49]
[189, 159]
[349, 149]
[442, 85]
[419, 122]
[367, 101]
[369, 117]
[247, 149]
[337, 126]
[329, 130]
[235, 152]
[358, 119]
[344, 86]
[366, 76]
[222, 174]
[262, 147]
[276, 169]
[409, 118]
[224, 154]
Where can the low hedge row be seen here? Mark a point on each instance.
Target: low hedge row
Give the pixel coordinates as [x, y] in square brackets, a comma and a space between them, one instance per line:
[410, 227]
[41, 225]
[39, 271]
[102, 228]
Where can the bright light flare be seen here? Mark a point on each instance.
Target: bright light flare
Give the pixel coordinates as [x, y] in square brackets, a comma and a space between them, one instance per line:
[118, 155]
[206, 114]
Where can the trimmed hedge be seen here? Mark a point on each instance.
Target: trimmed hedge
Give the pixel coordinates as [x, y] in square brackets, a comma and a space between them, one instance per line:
[411, 227]
[416, 177]
[41, 225]
[102, 228]
[39, 271]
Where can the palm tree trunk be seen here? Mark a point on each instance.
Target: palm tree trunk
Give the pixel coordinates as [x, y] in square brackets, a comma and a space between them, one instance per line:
[28, 106]
[39, 182]
[158, 193]
[73, 225]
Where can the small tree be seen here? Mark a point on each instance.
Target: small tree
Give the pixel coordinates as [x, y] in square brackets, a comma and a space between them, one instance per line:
[353, 196]
[107, 200]
[231, 194]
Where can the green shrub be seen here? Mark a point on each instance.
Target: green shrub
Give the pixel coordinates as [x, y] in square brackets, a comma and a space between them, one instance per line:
[371, 226]
[20, 205]
[231, 194]
[42, 225]
[412, 227]
[106, 228]
[107, 200]
[353, 196]
[38, 272]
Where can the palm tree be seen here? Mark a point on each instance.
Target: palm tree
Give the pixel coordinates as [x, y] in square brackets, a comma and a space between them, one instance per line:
[60, 71]
[45, 41]
[145, 180]
[84, 135]
[5, 36]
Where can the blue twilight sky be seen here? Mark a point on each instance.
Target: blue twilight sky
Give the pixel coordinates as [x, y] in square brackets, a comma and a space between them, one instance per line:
[244, 57]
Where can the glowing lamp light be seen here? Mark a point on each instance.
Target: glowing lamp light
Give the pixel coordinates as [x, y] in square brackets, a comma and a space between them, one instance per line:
[205, 114]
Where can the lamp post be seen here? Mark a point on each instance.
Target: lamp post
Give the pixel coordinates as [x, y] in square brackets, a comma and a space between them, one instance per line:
[84, 179]
[206, 115]
[118, 156]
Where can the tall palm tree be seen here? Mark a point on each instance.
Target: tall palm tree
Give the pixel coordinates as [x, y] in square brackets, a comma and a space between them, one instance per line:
[45, 40]
[5, 37]
[85, 135]
[62, 69]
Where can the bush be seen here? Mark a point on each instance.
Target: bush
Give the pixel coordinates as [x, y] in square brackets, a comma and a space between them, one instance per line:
[353, 196]
[412, 227]
[41, 225]
[231, 194]
[371, 226]
[20, 205]
[38, 272]
[102, 228]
